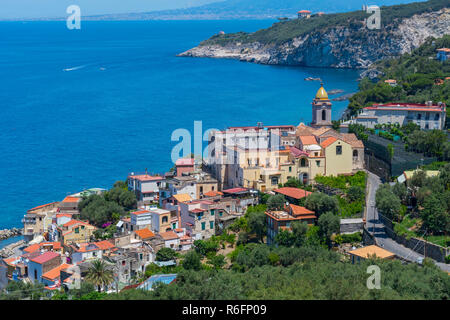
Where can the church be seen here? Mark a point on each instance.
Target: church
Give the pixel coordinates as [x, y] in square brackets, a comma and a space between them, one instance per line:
[262, 157]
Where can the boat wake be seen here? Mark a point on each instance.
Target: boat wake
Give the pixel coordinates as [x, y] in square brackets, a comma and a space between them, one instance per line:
[74, 68]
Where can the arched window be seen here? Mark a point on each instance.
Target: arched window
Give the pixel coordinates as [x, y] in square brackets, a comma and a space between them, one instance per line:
[165, 219]
[303, 162]
[355, 153]
[324, 115]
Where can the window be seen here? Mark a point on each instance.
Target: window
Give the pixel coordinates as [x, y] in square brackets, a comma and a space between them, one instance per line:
[77, 230]
[211, 224]
[436, 117]
[274, 181]
[290, 169]
[318, 163]
[338, 149]
[201, 189]
[419, 116]
[212, 212]
[203, 225]
[324, 115]
[355, 153]
[35, 274]
[212, 188]
[123, 262]
[303, 162]
[140, 256]
[164, 219]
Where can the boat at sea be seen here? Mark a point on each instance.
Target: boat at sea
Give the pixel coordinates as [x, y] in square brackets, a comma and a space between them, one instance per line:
[312, 79]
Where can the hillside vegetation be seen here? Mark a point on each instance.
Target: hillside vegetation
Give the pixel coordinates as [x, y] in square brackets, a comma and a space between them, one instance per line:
[285, 31]
[415, 74]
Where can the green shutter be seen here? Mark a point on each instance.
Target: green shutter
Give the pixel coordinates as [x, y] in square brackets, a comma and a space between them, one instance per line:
[203, 225]
[211, 224]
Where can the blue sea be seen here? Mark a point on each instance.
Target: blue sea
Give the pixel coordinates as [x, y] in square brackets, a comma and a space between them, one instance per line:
[83, 108]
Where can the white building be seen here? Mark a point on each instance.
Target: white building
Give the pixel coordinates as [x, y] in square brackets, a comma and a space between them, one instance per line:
[141, 219]
[160, 220]
[427, 116]
[146, 187]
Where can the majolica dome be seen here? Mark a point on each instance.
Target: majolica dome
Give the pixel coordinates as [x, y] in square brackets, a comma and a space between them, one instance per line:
[321, 93]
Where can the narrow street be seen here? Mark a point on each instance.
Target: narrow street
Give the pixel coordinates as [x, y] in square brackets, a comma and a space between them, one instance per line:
[375, 226]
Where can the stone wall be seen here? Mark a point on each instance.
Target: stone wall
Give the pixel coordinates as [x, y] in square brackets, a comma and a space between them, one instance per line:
[420, 246]
[368, 238]
[351, 225]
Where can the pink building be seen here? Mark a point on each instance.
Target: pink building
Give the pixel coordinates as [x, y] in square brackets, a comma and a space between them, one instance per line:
[184, 166]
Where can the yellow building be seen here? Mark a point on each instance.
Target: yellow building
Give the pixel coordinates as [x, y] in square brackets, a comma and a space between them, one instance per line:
[75, 231]
[317, 150]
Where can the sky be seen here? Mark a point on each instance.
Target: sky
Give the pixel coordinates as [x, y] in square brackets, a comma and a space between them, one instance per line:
[16, 9]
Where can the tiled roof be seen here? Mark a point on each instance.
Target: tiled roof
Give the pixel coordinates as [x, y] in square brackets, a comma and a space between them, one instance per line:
[46, 256]
[297, 152]
[298, 210]
[71, 199]
[140, 212]
[42, 206]
[406, 107]
[146, 177]
[352, 140]
[235, 190]
[104, 245]
[75, 222]
[321, 131]
[308, 140]
[32, 248]
[295, 193]
[169, 235]
[328, 142]
[213, 193]
[182, 197]
[144, 233]
[55, 272]
[365, 252]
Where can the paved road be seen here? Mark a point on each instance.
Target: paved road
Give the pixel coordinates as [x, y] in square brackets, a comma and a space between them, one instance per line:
[377, 228]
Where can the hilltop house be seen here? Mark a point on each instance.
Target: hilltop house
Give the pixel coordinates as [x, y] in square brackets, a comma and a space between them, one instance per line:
[41, 264]
[443, 54]
[278, 220]
[304, 14]
[427, 116]
[75, 231]
[38, 219]
[145, 186]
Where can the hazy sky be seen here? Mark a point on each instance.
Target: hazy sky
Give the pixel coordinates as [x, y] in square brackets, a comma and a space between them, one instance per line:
[10, 9]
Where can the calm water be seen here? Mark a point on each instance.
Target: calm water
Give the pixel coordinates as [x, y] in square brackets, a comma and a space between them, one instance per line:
[82, 109]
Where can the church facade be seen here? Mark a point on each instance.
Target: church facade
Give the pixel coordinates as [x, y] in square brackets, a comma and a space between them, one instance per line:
[262, 157]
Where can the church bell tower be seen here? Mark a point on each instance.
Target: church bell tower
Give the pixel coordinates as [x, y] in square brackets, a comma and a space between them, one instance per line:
[321, 109]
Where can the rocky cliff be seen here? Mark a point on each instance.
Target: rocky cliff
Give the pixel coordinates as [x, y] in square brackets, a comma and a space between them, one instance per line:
[345, 45]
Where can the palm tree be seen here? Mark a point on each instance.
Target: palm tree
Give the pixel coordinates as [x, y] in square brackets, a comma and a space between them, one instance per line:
[99, 274]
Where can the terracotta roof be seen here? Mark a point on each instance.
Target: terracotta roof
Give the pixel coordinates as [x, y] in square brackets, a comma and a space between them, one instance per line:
[169, 235]
[328, 142]
[308, 140]
[71, 199]
[55, 272]
[304, 130]
[235, 190]
[46, 256]
[42, 206]
[213, 193]
[145, 233]
[140, 212]
[197, 210]
[406, 107]
[32, 248]
[321, 131]
[146, 177]
[352, 140]
[104, 245]
[365, 252]
[304, 11]
[390, 81]
[300, 211]
[59, 215]
[444, 49]
[298, 153]
[295, 193]
[75, 222]
[182, 197]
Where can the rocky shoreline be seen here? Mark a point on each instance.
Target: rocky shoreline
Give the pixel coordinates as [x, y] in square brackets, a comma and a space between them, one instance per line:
[336, 47]
[9, 233]
[10, 250]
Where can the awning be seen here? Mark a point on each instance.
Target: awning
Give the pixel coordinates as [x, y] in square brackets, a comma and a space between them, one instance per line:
[119, 224]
